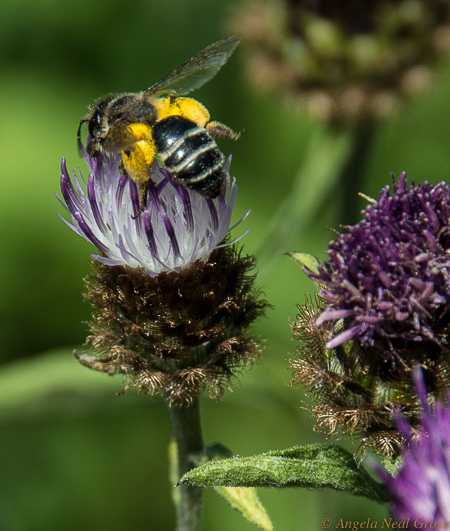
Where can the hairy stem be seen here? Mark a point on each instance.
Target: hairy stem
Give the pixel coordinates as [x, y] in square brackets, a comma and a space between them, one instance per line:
[187, 431]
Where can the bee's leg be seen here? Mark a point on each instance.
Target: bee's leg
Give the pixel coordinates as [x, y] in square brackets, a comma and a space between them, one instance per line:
[143, 187]
[223, 131]
[136, 164]
[91, 148]
[122, 168]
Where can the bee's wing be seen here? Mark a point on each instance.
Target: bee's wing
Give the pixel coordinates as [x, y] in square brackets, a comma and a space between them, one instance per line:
[198, 70]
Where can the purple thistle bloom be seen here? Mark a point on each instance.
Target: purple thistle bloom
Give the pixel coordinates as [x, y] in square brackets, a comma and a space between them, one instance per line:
[421, 489]
[178, 226]
[172, 299]
[388, 276]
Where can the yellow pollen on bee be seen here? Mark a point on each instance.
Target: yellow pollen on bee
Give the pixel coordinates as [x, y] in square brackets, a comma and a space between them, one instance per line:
[186, 107]
[137, 161]
[141, 131]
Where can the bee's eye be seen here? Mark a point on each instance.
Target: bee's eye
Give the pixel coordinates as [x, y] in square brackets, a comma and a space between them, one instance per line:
[94, 124]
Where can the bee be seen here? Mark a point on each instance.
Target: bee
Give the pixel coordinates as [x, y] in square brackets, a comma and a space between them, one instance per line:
[161, 122]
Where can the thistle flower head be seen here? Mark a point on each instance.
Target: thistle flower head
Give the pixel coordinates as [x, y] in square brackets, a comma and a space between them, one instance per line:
[383, 307]
[178, 227]
[388, 277]
[345, 61]
[172, 298]
[421, 488]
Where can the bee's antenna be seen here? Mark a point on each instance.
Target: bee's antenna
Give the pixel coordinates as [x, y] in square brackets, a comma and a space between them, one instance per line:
[82, 121]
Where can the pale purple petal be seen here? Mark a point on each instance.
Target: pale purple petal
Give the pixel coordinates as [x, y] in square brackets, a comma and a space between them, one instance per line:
[177, 227]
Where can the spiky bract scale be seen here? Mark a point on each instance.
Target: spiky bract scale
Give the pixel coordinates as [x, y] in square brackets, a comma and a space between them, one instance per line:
[177, 333]
[383, 308]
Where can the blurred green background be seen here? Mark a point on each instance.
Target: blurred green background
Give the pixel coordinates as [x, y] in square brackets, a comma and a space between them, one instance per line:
[73, 455]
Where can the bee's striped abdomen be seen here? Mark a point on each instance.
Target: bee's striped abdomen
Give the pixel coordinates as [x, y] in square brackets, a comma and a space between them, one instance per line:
[190, 153]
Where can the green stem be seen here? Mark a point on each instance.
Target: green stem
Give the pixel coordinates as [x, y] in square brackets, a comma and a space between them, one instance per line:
[335, 162]
[354, 172]
[187, 431]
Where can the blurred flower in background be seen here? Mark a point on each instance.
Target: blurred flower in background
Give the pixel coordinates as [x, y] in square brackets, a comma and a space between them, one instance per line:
[421, 488]
[349, 64]
[383, 306]
[171, 297]
[345, 61]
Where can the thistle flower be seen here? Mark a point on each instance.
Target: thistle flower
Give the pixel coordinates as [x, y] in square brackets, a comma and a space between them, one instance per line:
[177, 228]
[382, 307]
[345, 61]
[172, 298]
[421, 489]
[389, 277]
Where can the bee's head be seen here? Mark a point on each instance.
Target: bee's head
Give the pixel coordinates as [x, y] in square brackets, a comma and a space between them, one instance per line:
[96, 123]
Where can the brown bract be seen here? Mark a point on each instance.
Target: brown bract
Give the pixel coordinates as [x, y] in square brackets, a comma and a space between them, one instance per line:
[177, 333]
[350, 396]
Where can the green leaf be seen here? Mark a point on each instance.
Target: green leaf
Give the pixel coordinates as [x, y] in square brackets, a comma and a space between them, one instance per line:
[48, 382]
[305, 259]
[246, 501]
[314, 467]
